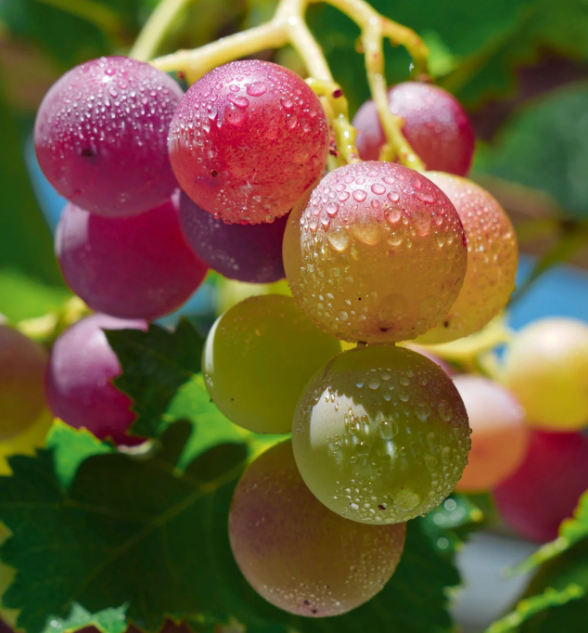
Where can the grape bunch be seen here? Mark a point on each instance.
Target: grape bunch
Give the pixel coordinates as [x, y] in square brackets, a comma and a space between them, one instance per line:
[232, 176]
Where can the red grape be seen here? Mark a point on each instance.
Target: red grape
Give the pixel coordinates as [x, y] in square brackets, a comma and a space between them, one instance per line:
[132, 268]
[547, 486]
[246, 141]
[79, 378]
[101, 136]
[251, 253]
[22, 365]
[435, 125]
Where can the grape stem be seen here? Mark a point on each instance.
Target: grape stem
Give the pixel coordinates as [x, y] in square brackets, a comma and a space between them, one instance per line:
[288, 26]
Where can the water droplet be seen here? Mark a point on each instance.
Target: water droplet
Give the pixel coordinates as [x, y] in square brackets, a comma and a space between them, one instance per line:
[256, 89]
[359, 195]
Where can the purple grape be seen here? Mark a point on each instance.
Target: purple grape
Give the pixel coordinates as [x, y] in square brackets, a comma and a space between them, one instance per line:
[435, 124]
[79, 378]
[132, 268]
[101, 136]
[247, 140]
[246, 252]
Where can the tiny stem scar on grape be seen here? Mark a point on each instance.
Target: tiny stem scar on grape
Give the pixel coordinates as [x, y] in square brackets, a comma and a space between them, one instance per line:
[288, 26]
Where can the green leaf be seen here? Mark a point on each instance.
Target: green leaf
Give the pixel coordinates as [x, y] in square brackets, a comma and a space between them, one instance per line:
[155, 365]
[544, 148]
[150, 532]
[106, 621]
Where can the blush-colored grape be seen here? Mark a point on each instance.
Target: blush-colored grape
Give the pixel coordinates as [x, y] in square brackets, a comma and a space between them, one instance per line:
[376, 252]
[296, 553]
[22, 366]
[435, 124]
[499, 434]
[139, 267]
[79, 379]
[546, 487]
[380, 434]
[247, 140]
[492, 259]
[101, 136]
[245, 252]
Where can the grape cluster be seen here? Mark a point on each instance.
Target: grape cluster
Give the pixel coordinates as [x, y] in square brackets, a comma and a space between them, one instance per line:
[231, 176]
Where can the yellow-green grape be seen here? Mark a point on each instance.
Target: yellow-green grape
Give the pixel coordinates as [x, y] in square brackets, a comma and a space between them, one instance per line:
[546, 367]
[257, 358]
[22, 391]
[375, 253]
[492, 259]
[296, 553]
[231, 292]
[381, 434]
[27, 442]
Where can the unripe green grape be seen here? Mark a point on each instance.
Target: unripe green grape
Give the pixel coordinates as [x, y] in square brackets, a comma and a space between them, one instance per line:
[258, 357]
[492, 259]
[22, 392]
[546, 367]
[381, 435]
[296, 553]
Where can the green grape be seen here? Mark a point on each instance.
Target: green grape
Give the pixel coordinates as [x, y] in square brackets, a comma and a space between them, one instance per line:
[296, 553]
[546, 367]
[381, 434]
[22, 392]
[258, 357]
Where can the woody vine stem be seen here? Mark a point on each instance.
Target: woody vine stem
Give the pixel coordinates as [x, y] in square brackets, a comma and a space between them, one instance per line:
[288, 26]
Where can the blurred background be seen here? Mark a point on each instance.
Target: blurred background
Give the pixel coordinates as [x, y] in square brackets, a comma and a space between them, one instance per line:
[520, 67]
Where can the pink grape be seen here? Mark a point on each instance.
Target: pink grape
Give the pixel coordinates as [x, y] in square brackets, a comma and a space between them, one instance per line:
[101, 136]
[547, 485]
[139, 267]
[22, 366]
[435, 124]
[376, 253]
[79, 378]
[247, 140]
[245, 252]
[295, 552]
[499, 435]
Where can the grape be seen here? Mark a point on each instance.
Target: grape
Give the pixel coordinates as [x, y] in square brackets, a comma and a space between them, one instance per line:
[257, 358]
[435, 125]
[25, 443]
[375, 253]
[101, 136]
[22, 366]
[492, 260]
[79, 378]
[230, 292]
[237, 251]
[499, 434]
[546, 488]
[380, 434]
[296, 553]
[546, 367]
[138, 267]
[247, 140]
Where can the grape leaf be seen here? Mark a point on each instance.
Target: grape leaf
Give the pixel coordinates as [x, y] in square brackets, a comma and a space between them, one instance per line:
[107, 621]
[544, 148]
[102, 529]
[155, 365]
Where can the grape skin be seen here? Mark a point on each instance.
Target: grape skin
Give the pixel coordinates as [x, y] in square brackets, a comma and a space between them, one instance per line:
[22, 367]
[380, 435]
[249, 253]
[247, 140]
[101, 136]
[435, 124]
[547, 486]
[132, 268]
[492, 260]
[79, 379]
[546, 367]
[257, 358]
[499, 435]
[375, 253]
[296, 553]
